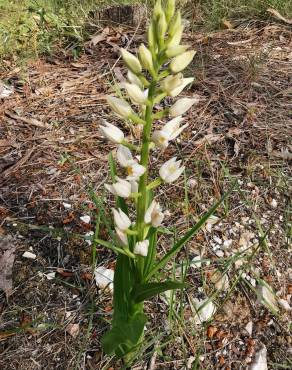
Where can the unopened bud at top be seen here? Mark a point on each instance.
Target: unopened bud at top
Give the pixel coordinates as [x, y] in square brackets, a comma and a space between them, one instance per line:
[161, 26]
[131, 61]
[145, 57]
[170, 9]
[151, 36]
[176, 38]
[182, 61]
[175, 24]
[157, 11]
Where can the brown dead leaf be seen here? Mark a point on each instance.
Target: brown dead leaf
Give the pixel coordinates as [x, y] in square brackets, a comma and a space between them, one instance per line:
[212, 330]
[97, 39]
[64, 273]
[277, 15]
[73, 330]
[7, 256]
[227, 24]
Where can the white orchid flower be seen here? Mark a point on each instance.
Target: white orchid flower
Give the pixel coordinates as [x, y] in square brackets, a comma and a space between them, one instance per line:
[181, 106]
[176, 91]
[125, 159]
[160, 138]
[171, 170]
[122, 221]
[154, 215]
[172, 82]
[134, 79]
[121, 188]
[135, 93]
[121, 236]
[112, 132]
[169, 132]
[141, 248]
[182, 61]
[119, 106]
[131, 61]
[173, 127]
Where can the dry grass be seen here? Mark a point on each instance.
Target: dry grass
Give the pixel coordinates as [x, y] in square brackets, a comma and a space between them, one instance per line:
[51, 152]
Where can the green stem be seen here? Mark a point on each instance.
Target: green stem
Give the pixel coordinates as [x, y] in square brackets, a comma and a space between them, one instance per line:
[154, 184]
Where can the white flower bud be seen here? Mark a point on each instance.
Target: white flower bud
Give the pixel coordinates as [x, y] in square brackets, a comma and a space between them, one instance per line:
[122, 237]
[125, 159]
[153, 215]
[134, 79]
[135, 93]
[181, 106]
[170, 9]
[141, 248]
[176, 38]
[161, 26]
[111, 132]
[171, 170]
[119, 106]
[157, 9]
[182, 61]
[122, 221]
[175, 24]
[134, 186]
[176, 91]
[171, 82]
[146, 57]
[174, 51]
[151, 36]
[121, 188]
[131, 61]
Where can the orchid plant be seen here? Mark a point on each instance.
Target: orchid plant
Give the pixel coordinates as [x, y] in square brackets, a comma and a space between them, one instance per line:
[152, 76]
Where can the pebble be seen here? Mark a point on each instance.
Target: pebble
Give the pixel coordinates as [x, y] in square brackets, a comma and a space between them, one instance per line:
[227, 243]
[67, 205]
[283, 303]
[29, 255]
[248, 328]
[219, 253]
[86, 219]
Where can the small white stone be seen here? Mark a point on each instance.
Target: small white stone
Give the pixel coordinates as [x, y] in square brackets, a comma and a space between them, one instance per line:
[227, 243]
[88, 241]
[205, 309]
[260, 360]
[196, 262]
[266, 296]
[86, 219]
[104, 278]
[219, 253]
[273, 203]
[283, 303]
[50, 275]
[29, 255]
[248, 328]
[67, 205]
[217, 239]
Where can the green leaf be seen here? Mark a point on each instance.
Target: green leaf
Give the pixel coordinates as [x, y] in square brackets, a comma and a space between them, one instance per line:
[149, 260]
[188, 235]
[148, 290]
[125, 333]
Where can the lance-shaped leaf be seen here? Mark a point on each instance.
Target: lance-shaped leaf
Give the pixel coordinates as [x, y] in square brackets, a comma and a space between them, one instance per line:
[188, 235]
[127, 333]
[148, 290]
